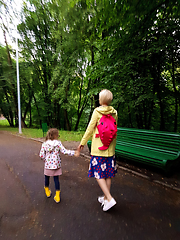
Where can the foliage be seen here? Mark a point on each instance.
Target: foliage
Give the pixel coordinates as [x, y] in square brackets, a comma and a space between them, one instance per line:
[72, 49]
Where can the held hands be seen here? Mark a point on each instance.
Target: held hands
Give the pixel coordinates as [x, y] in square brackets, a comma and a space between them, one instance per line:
[77, 153]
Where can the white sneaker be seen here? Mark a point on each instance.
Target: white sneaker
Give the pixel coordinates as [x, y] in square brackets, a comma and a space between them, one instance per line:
[108, 205]
[101, 199]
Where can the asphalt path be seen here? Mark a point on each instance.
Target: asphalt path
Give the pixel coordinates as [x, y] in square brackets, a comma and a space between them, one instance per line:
[145, 210]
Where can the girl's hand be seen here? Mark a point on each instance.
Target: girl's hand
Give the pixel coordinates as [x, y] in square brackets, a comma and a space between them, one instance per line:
[80, 147]
[77, 153]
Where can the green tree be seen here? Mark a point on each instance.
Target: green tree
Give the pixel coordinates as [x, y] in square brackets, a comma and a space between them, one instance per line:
[73, 49]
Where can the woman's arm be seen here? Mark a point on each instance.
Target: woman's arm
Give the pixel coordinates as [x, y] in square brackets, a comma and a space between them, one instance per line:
[90, 129]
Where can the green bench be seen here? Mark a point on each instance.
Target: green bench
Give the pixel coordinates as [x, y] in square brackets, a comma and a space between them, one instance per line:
[155, 148]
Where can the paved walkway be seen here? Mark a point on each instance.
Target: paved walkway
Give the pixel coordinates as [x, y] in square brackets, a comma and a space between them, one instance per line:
[144, 210]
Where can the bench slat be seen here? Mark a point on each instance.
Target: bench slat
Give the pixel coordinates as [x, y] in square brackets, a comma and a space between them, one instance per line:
[120, 145]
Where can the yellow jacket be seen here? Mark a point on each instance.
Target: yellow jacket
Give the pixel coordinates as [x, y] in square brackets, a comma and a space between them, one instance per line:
[92, 131]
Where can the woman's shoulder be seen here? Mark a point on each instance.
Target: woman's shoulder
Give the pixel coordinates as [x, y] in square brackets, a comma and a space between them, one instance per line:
[106, 110]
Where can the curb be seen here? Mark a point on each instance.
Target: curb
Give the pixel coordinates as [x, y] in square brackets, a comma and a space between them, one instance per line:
[148, 178]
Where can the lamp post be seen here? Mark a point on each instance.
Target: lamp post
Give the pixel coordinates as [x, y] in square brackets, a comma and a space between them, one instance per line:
[18, 86]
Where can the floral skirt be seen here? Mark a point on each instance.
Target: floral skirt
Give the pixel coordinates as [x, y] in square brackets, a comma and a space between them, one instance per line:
[102, 167]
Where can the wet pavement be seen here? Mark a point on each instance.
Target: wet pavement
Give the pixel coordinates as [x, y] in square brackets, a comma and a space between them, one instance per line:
[144, 210]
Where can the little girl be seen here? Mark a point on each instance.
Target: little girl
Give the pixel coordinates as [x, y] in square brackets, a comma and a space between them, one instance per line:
[50, 153]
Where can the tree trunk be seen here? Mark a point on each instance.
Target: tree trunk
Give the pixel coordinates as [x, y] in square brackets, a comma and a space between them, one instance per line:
[145, 115]
[175, 95]
[129, 114]
[156, 73]
[81, 106]
[11, 69]
[30, 116]
[68, 126]
[162, 124]
[27, 109]
[67, 120]
[140, 118]
[90, 112]
[10, 117]
[40, 121]
[150, 114]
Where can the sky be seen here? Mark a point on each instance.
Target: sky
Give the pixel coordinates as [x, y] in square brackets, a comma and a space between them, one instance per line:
[16, 4]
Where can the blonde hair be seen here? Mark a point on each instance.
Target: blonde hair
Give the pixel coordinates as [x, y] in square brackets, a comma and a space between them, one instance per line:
[105, 97]
[52, 133]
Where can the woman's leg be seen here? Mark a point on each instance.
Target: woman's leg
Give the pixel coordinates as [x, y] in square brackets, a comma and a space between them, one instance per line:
[109, 200]
[57, 184]
[108, 183]
[105, 188]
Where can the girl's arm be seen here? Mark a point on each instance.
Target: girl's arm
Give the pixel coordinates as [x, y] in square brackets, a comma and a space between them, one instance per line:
[42, 153]
[65, 151]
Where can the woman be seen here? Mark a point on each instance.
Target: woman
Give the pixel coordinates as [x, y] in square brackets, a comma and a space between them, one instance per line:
[102, 163]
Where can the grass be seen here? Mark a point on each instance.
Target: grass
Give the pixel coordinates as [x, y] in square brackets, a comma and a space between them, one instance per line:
[4, 123]
[38, 133]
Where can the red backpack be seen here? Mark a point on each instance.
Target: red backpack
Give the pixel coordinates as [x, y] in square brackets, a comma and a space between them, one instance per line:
[107, 128]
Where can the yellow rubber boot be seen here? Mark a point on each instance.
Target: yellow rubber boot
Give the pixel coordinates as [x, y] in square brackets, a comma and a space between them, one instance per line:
[47, 192]
[57, 197]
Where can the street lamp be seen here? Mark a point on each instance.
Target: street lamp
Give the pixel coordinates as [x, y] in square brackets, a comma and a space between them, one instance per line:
[18, 86]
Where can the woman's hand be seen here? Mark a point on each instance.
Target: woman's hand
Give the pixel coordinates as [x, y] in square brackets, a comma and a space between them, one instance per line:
[80, 147]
